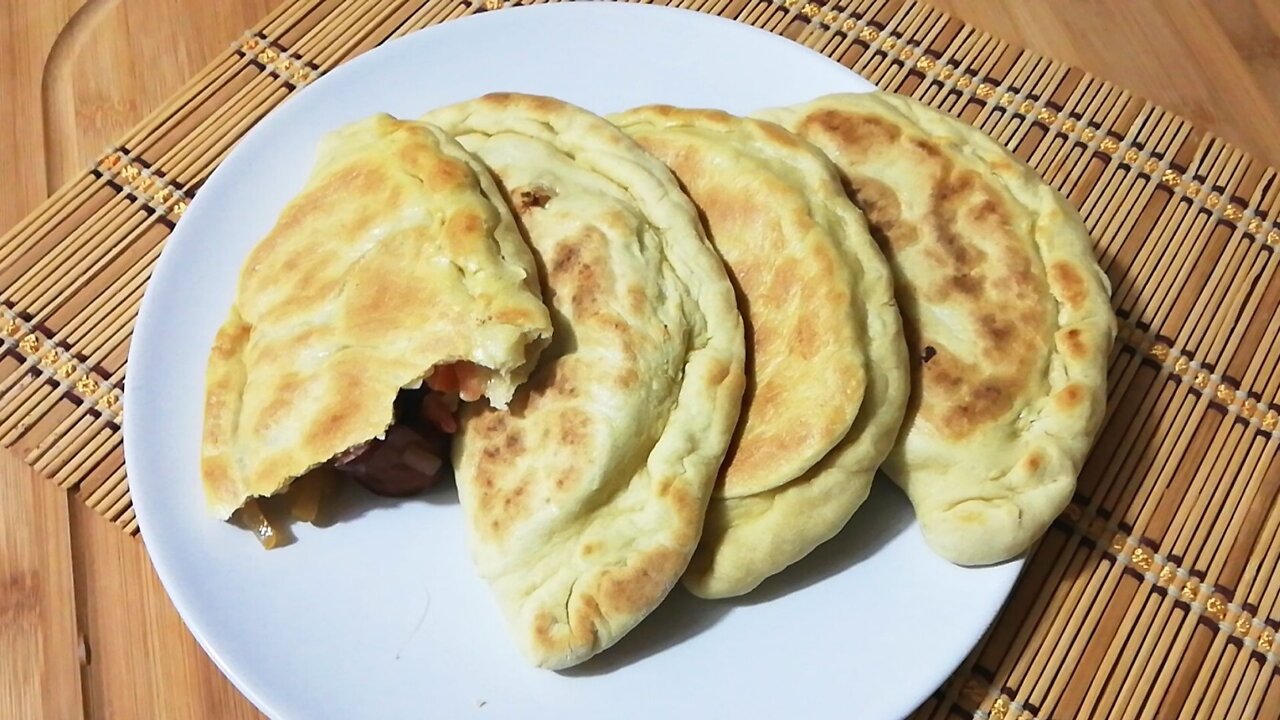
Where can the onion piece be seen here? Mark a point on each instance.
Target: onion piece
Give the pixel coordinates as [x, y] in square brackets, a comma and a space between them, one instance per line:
[423, 461]
[255, 519]
[308, 493]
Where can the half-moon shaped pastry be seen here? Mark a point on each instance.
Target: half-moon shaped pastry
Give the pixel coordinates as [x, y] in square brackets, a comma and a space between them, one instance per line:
[586, 501]
[398, 262]
[1006, 311]
[827, 373]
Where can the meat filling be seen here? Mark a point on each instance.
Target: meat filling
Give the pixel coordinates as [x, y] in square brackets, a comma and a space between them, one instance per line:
[410, 457]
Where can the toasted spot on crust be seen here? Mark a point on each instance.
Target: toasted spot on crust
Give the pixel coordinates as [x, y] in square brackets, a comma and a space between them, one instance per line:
[778, 136]
[626, 378]
[463, 228]
[643, 582]
[965, 284]
[964, 257]
[446, 176]
[530, 197]
[637, 299]
[533, 104]
[1074, 344]
[978, 267]
[858, 136]
[573, 428]
[996, 332]
[513, 442]
[1070, 397]
[962, 399]
[579, 266]
[542, 624]
[884, 212]
[1033, 462]
[1068, 284]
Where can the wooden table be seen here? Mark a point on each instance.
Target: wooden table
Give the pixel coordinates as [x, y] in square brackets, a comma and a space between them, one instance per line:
[85, 628]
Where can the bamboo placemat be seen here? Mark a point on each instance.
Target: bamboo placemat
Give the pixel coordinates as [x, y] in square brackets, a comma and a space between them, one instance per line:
[1157, 594]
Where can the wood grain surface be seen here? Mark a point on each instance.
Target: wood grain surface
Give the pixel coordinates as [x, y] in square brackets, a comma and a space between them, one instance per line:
[85, 628]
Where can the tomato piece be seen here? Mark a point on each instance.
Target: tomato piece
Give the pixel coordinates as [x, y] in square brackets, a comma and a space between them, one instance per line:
[443, 378]
[470, 381]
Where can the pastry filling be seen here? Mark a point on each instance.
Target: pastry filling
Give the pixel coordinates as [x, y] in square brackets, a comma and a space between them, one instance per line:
[409, 457]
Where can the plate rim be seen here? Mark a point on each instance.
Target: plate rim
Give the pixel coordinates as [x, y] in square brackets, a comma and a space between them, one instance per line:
[142, 342]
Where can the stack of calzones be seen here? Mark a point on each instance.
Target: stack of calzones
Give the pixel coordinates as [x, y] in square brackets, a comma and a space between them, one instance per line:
[586, 500]
[699, 337]
[828, 384]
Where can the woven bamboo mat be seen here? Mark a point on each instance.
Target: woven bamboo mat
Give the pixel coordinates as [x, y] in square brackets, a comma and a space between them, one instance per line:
[1157, 594]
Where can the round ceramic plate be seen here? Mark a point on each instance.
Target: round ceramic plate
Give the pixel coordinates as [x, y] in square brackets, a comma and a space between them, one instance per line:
[381, 615]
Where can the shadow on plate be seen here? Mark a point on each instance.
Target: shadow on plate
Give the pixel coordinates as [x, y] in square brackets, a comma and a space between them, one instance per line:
[679, 617]
[352, 501]
[884, 516]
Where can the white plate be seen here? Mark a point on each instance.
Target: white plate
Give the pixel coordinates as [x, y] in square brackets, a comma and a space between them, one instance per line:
[381, 614]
